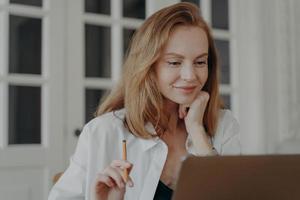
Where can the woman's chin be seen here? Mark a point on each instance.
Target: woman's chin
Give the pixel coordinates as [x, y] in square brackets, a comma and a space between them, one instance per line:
[184, 101]
[181, 100]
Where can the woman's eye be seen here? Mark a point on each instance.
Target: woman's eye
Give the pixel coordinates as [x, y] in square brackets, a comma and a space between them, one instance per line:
[174, 63]
[201, 63]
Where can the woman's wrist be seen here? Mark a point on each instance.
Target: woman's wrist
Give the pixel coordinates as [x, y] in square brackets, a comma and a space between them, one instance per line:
[198, 130]
[201, 141]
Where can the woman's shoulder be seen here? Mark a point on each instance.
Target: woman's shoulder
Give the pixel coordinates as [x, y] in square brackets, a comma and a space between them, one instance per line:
[227, 125]
[107, 123]
[227, 137]
[115, 117]
[226, 116]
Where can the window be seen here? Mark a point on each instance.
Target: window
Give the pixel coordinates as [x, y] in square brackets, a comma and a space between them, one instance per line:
[22, 72]
[108, 29]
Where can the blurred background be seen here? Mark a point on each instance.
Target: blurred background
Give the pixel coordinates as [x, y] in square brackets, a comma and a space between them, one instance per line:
[58, 57]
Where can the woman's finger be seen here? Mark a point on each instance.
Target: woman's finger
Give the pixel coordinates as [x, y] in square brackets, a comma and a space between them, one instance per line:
[179, 112]
[120, 163]
[102, 178]
[182, 112]
[115, 175]
[129, 182]
[129, 179]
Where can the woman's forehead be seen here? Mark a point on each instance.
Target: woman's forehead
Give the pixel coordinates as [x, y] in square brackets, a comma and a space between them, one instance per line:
[187, 40]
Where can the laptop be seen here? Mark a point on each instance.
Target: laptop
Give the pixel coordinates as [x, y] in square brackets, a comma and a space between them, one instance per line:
[275, 177]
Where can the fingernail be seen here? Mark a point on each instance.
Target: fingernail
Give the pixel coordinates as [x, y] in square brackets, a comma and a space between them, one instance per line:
[130, 184]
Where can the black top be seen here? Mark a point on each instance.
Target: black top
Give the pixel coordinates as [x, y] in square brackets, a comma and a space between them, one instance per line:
[163, 192]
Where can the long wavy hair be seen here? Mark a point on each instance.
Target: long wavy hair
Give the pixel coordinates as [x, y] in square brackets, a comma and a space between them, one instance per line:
[137, 90]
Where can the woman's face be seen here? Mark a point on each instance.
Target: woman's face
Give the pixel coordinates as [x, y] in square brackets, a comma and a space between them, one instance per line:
[182, 68]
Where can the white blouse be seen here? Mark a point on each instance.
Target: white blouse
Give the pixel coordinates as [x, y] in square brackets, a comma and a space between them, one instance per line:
[101, 142]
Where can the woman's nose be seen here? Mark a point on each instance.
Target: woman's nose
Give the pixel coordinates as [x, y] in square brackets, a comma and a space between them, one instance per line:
[188, 72]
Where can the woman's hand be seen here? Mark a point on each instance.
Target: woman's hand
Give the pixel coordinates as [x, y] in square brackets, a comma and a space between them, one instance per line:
[193, 114]
[193, 119]
[110, 184]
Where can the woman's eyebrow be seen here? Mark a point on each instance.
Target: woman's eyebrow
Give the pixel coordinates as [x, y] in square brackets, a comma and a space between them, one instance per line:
[174, 54]
[181, 56]
[202, 55]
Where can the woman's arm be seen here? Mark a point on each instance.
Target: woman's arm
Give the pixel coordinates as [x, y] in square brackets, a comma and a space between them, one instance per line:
[199, 142]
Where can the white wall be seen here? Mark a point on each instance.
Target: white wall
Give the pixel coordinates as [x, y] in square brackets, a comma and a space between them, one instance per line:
[268, 59]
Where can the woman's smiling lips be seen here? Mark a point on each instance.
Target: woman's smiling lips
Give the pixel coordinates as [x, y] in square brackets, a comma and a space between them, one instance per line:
[185, 89]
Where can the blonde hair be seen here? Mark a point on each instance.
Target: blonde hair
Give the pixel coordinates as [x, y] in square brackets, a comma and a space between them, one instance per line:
[137, 90]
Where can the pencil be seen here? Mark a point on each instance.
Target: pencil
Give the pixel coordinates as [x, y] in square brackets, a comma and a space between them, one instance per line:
[125, 172]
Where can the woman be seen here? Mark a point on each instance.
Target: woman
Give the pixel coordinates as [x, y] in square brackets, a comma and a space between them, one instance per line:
[166, 105]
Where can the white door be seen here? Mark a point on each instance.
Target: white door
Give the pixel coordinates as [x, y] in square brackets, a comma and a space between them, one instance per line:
[31, 97]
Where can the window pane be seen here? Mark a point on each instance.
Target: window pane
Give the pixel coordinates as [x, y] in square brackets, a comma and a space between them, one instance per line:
[220, 14]
[223, 50]
[227, 101]
[97, 51]
[25, 36]
[28, 2]
[24, 115]
[92, 98]
[96, 6]
[134, 9]
[127, 35]
[197, 2]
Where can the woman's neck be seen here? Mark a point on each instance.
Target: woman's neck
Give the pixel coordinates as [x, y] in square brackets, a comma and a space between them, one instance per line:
[171, 110]
[170, 107]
